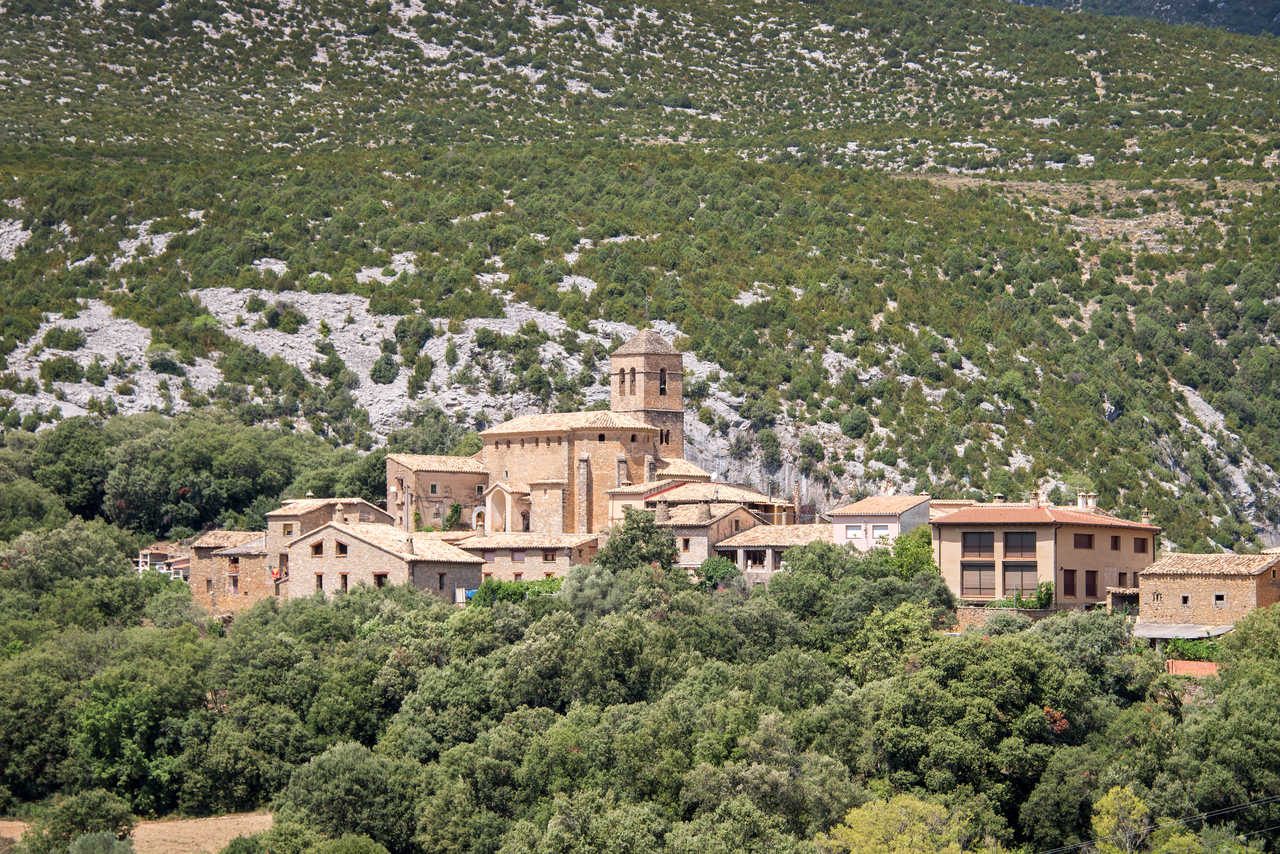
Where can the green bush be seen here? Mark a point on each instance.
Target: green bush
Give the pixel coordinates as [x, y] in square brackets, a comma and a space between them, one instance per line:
[61, 369]
[63, 338]
[385, 369]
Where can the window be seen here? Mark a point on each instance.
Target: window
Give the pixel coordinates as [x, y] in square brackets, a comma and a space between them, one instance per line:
[319, 582]
[235, 585]
[1157, 597]
[1020, 578]
[633, 380]
[488, 575]
[548, 555]
[662, 381]
[878, 531]
[517, 556]
[978, 544]
[1124, 579]
[1115, 543]
[479, 489]
[1139, 545]
[379, 579]
[208, 585]
[622, 380]
[1090, 583]
[339, 549]
[633, 438]
[1219, 600]
[342, 582]
[1069, 582]
[439, 580]
[853, 532]
[684, 544]
[317, 549]
[737, 525]
[1186, 601]
[1083, 541]
[1020, 544]
[517, 576]
[978, 579]
[600, 438]
[287, 528]
[435, 487]
[234, 563]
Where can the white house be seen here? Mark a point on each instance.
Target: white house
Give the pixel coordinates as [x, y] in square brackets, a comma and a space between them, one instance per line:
[865, 523]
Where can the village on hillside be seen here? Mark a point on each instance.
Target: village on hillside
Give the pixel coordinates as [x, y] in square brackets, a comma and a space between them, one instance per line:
[544, 492]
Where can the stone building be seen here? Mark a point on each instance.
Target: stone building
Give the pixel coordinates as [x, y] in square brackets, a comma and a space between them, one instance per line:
[864, 524]
[992, 551]
[758, 551]
[228, 571]
[171, 558]
[699, 528]
[421, 488]
[341, 555]
[529, 556]
[679, 492]
[298, 516]
[1192, 595]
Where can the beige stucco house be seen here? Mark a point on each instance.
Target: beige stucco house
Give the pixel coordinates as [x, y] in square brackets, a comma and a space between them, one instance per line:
[991, 551]
[877, 519]
[758, 551]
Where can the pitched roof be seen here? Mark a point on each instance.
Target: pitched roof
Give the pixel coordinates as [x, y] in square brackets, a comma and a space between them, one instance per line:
[709, 491]
[514, 487]
[563, 422]
[1025, 514]
[880, 505]
[438, 463]
[686, 515]
[256, 546]
[416, 547]
[779, 536]
[1215, 564]
[526, 540]
[679, 468]
[646, 488]
[296, 506]
[644, 343]
[224, 539]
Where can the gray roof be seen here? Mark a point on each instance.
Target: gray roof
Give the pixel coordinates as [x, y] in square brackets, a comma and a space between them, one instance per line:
[1165, 631]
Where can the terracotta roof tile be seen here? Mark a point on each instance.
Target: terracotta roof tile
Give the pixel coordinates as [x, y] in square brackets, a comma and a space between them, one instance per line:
[438, 463]
[563, 422]
[1025, 514]
[646, 342]
[224, 539]
[526, 540]
[256, 546]
[711, 491]
[880, 505]
[296, 506]
[687, 515]
[779, 536]
[671, 469]
[1215, 564]
[390, 539]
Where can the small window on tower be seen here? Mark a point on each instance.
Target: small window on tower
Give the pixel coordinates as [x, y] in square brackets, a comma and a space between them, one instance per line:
[662, 381]
[633, 380]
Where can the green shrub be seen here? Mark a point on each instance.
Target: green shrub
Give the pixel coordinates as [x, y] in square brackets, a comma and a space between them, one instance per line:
[61, 369]
[62, 338]
[385, 369]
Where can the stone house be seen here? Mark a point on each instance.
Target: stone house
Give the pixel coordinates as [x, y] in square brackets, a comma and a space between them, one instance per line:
[171, 558]
[421, 488]
[298, 516]
[866, 523]
[341, 555]
[677, 493]
[229, 572]
[758, 551]
[698, 528]
[1192, 595]
[529, 556]
[991, 551]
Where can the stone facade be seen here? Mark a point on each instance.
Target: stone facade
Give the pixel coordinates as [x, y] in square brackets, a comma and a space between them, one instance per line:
[228, 571]
[1207, 590]
[422, 488]
[529, 557]
[297, 517]
[699, 528]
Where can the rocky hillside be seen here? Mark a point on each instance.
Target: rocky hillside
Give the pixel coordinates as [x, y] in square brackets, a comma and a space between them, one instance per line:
[908, 246]
[1243, 16]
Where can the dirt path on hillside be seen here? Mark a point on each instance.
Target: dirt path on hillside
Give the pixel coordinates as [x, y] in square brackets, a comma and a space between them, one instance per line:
[179, 836]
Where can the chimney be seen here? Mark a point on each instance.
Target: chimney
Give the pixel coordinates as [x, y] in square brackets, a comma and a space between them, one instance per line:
[408, 545]
[1082, 500]
[1035, 498]
[310, 494]
[999, 498]
[704, 511]
[1146, 516]
[1092, 498]
[662, 513]
[795, 498]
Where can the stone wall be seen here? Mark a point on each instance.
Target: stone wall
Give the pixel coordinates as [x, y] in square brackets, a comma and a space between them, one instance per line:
[1193, 598]
[977, 616]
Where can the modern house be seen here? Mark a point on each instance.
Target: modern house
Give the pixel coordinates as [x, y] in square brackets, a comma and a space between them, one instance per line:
[992, 551]
[758, 551]
[878, 518]
[1192, 595]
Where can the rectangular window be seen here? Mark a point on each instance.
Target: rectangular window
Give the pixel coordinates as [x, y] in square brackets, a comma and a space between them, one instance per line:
[288, 529]
[234, 562]
[1069, 582]
[517, 556]
[1115, 543]
[1186, 601]
[1020, 578]
[978, 544]
[1091, 583]
[1083, 541]
[479, 489]
[978, 579]
[342, 582]
[235, 585]
[379, 579]
[440, 580]
[435, 489]
[1124, 579]
[339, 549]
[1157, 597]
[319, 582]
[317, 549]
[1019, 544]
[684, 544]
[517, 576]
[1219, 600]
[208, 585]
[1140, 545]
[878, 531]
[548, 555]
[853, 532]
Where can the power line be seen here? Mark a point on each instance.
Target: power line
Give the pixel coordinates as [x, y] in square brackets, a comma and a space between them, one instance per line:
[1173, 822]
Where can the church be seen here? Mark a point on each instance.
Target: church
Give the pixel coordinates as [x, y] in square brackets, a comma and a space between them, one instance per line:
[552, 473]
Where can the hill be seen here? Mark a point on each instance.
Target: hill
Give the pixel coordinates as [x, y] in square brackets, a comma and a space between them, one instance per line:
[1243, 17]
[910, 246]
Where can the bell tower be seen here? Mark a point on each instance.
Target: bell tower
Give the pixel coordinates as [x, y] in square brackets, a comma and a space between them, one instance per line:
[646, 380]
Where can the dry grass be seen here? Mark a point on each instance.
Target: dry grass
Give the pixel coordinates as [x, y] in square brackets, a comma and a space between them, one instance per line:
[178, 836]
